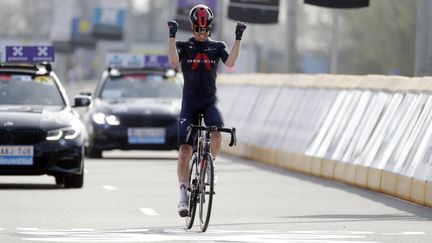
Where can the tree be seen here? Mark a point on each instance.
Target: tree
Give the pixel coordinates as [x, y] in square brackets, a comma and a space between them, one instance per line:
[379, 39]
[25, 18]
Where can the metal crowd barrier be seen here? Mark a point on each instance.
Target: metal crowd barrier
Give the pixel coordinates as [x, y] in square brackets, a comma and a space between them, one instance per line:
[370, 131]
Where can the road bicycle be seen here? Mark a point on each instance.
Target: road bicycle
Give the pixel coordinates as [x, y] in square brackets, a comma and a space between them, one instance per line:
[201, 173]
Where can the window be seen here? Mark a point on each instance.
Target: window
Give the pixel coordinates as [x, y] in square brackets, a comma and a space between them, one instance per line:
[24, 89]
[140, 86]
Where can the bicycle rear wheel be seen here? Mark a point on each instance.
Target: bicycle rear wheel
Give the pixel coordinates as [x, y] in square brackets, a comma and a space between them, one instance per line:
[192, 193]
[206, 192]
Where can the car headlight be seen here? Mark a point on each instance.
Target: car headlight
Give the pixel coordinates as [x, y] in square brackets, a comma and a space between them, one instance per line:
[67, 133]
[176, 107]
[100, 118]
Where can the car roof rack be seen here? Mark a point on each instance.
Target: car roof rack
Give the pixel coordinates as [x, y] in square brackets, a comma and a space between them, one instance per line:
[138, 70]
[120, 69]
[26, 66]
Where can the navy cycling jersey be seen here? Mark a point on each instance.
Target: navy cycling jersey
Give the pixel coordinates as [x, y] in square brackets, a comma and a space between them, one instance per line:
[199, 63]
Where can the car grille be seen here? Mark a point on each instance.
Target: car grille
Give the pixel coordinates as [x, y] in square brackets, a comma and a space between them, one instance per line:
[148, 120]
[22, 137]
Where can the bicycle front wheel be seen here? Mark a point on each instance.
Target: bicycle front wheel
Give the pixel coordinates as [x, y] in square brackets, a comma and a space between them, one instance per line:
[192, 193]
[206, 191]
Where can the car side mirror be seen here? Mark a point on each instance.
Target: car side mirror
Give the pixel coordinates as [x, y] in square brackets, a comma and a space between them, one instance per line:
[82, 100]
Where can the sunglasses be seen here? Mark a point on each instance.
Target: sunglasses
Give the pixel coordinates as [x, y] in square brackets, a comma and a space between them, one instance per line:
[201, 29]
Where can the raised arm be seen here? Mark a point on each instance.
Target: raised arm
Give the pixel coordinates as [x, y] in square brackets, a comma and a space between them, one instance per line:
[235, 50]
[172, 49]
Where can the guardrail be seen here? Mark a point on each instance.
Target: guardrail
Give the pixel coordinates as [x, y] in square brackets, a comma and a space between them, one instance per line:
[370, 131]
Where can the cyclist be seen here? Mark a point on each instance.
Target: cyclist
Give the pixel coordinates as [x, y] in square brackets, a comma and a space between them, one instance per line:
[199, 57]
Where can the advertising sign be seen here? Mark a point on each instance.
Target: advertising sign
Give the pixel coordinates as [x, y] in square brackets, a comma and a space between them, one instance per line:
[275, 124]
[339, 4]
[262, 110]
[320, 103]
[314, 146]
[136, 60]
[353, 126]
[124, 60]
[156, 61]
[396, 124]
[108, 22]
[403, 137]
[371, 154]
[366, 127]
[292, 137]
[82, 33]
[338, 126]
[29, 54]
[254, 11]
[408, 160]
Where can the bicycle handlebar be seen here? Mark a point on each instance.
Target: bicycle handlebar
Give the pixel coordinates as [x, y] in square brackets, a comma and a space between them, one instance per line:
[231, 131]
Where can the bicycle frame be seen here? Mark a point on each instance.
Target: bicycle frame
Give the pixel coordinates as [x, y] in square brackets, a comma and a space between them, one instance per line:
[201, 173]
[203, 145]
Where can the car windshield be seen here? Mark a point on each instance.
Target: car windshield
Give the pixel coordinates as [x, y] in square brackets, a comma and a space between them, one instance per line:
[24, 89]
[140, 86]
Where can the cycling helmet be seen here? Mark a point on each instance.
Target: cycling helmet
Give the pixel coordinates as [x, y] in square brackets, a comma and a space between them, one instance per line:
[201, 16]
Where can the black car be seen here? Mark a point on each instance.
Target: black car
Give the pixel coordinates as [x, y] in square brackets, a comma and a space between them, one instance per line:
[40, 133]
[134, 109]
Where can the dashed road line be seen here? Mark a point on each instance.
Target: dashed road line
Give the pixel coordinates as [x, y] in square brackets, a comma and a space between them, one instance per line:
[109, 188]
[149, 211]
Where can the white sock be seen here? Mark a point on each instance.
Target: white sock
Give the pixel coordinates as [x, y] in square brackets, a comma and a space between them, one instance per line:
[214, 163]
[183, 191]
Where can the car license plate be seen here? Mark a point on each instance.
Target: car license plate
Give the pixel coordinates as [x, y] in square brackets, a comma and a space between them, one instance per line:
[146, 135]
[16, 155]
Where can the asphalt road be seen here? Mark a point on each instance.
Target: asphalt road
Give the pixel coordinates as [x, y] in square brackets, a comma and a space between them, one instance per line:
[132, 197]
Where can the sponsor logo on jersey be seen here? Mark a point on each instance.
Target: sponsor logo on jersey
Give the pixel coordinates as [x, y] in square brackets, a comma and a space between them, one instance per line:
[201, 58]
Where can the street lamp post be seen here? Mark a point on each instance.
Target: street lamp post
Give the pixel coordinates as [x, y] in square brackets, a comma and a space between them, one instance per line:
[423, 38]
[335, 42]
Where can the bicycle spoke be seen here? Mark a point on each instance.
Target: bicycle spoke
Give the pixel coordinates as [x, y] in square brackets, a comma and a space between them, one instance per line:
[192, 193]
[207, 192]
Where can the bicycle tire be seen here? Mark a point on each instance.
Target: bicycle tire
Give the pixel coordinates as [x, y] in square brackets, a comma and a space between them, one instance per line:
[207, 192]
[192, 195]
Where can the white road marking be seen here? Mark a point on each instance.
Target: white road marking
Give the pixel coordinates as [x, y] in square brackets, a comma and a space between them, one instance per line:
[405, 233]
[109, 188]
[136, 230]
[82, 229]
[176, 235]
[149, 211]
[27, 229]
[333, 232]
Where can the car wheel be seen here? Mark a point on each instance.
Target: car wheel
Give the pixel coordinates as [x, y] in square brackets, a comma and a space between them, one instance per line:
[94, 153]
[74, 181]
[59, 180]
